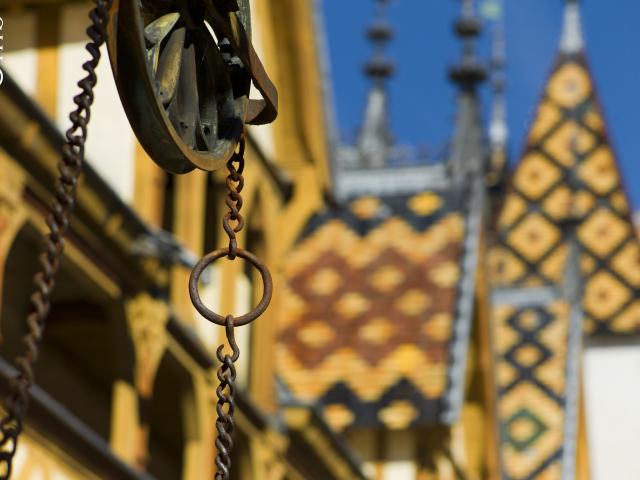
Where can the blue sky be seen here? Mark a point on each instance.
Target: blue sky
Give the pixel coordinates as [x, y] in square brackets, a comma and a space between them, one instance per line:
[422, 107]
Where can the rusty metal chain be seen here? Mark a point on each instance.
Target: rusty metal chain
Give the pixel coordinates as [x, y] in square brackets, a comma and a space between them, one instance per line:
[235, 184]
[227, 370]
[226, 397]
[70, 167]
[232, 222]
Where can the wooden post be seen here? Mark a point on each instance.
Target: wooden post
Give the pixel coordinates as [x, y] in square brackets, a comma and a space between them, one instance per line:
[147, 318]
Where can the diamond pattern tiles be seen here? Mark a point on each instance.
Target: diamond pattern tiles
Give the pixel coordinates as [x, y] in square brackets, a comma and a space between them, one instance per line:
[531, 364]
[370, 298]
[568, 166]
[568, 171]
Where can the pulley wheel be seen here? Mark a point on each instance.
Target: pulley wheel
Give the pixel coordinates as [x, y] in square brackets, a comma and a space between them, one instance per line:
[182, 86]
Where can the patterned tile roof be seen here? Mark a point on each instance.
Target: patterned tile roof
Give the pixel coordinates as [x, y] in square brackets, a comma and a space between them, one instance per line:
[372, 295]
[532, 388]
[568, 143]
[567, 185]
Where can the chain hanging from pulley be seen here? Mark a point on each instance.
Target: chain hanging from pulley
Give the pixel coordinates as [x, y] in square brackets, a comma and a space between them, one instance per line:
[233, 222]
[183, 69]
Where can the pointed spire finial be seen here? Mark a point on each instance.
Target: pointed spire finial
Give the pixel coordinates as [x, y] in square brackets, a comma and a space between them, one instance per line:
[469, 72]
[498, 129]
[467, 151]
[572, 40]
[375, 140]
[380, 33]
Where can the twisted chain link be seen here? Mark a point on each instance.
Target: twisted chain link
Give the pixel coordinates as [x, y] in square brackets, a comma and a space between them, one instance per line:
[70, 167]
[233, 223]
[226, 397]
[235, 184]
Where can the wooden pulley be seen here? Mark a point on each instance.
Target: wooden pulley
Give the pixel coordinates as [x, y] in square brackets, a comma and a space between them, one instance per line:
[183, 69]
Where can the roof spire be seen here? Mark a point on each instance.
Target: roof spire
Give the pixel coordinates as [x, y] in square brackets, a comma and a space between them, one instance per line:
[375, 140]
[572, 40]
[498, 129]
[469, 72]
[380, 33]
[467, 152]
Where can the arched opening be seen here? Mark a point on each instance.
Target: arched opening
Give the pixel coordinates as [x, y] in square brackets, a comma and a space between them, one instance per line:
[85, 347]
[172, 420]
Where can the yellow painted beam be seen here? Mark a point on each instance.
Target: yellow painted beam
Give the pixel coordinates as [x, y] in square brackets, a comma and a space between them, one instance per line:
[188, 227]
[583, 470]
[48, 39]
[149, 188]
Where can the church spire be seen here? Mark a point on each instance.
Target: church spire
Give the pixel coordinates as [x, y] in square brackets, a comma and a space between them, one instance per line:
[469, 72]
[467, 155]
[375, 140]
[498, 128]
[572, 39]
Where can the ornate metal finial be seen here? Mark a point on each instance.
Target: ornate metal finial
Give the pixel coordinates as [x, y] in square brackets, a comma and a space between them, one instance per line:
[380, 33]
[469, 72]
[375, 139]
[572, 39]
[498, 129]
[468, 155]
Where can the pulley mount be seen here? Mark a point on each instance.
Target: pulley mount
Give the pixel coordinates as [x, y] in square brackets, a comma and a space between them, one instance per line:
[183, 69]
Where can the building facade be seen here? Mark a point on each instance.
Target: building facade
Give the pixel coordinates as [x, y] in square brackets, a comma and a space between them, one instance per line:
[446, 318]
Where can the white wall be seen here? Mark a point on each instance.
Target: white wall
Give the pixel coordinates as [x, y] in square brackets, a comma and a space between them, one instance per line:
[111, 144]
[612, 400]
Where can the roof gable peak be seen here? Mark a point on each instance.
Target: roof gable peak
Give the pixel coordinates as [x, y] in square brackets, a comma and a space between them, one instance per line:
[572, 40]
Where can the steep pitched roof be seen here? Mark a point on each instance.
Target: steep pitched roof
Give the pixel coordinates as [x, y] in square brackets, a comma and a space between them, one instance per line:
[379, 290]
[568, 169]
[567, 260]
[375, 293]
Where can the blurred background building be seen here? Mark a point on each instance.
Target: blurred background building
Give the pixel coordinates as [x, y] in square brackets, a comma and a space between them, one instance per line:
[446, 315]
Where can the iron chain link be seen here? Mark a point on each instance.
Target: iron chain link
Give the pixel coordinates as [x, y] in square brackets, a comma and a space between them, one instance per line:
[233, 223]
[235, 184]
[226, 398]
[70, 168]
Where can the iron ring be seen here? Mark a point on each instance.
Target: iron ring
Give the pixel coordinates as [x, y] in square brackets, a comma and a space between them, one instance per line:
[212, 316]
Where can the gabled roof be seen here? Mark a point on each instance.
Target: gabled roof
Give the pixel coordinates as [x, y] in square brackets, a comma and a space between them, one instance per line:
[566, 260]
[568, 169]
[377, 311]
[378, 292]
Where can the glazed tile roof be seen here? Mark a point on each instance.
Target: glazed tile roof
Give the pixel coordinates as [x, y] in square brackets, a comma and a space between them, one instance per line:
[567, 185]
[568, 141]
[371, 301]
[533, 395]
